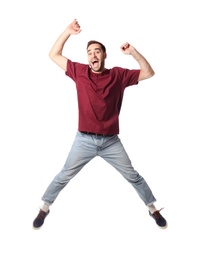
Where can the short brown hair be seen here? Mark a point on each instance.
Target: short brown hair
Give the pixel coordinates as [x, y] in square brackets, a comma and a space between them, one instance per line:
[93, 41]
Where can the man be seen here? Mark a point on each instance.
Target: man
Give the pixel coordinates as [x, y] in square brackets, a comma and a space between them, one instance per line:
[99, 93]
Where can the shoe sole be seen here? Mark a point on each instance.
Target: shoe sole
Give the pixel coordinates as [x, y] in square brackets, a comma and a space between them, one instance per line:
[162, 227]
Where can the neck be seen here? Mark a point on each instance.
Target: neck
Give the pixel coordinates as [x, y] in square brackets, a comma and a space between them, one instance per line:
[100, 71]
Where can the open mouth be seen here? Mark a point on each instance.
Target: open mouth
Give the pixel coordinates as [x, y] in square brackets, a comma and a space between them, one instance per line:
[95, 62]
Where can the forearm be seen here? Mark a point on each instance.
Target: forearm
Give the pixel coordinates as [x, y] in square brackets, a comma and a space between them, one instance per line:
[146, 70]
[58, 46]
[56, 52]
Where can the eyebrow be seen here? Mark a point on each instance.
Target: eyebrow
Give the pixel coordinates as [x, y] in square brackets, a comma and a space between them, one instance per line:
[94, 49]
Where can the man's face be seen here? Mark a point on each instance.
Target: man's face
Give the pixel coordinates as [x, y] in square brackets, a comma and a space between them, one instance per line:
[96, 57]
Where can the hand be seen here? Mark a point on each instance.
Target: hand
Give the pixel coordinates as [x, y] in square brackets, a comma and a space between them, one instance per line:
[74, 27]
[126, 48]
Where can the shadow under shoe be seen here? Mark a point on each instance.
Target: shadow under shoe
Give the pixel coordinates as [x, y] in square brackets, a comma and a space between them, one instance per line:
[159, 219]
[39, 220]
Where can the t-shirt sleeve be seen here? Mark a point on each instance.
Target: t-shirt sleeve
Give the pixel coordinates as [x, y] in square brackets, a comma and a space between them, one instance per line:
[128, 77]
[70, 70]
[132, 77]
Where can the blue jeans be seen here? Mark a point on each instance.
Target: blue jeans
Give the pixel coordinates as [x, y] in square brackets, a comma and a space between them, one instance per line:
[85, 147]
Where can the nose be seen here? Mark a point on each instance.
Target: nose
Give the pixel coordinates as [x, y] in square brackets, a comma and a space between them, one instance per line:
[94, 54]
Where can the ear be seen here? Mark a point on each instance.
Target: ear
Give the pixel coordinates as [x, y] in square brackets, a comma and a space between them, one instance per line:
[105, 55]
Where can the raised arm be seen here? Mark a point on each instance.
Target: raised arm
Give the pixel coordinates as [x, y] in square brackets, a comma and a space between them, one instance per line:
[146, 70]
[56, 51]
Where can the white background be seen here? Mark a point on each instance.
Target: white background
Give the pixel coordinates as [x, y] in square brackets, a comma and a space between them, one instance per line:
[99, 215]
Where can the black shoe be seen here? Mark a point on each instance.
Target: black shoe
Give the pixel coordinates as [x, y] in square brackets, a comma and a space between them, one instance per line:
[39, 220]
[160, 221]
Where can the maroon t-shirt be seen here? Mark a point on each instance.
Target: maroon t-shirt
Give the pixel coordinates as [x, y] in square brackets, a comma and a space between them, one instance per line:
[100, 96]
